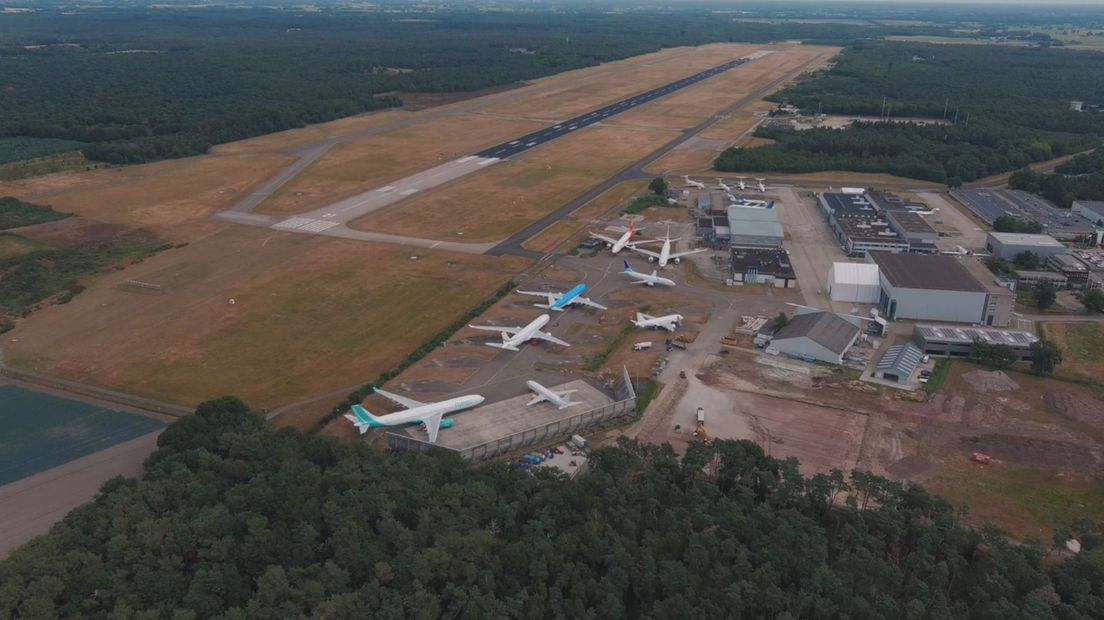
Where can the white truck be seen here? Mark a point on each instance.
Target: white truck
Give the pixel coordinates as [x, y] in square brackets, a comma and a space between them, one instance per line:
[642, 346]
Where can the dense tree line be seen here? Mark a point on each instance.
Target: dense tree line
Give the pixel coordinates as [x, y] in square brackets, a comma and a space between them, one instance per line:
[949, 154]
[1006, 107]
[1081, 178]
[143, 84]
[233, 519]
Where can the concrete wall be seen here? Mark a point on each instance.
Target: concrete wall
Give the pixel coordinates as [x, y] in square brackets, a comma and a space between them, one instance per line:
[1008, 251]
[932, 305]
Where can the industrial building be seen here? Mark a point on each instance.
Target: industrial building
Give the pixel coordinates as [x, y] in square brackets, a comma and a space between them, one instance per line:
[899, 362]
[854, 282]
[822, 336]
[1092, 210]
[768, 266]
[1007, 246]
[877, 222]
[1029, 278]
[1063, 225]
[1001, 292]
[1076, 272]
[932, 288]
[953, 341]
[754, 228]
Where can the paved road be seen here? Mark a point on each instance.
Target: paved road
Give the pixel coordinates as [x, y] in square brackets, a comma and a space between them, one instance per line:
[513, 244]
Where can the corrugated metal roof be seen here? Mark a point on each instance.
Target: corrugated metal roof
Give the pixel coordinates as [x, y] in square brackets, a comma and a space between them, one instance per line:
[901, 360]
[824, 328]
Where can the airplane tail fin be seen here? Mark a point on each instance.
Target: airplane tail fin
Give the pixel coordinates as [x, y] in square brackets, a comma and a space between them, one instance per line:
[770, 205]
[628, 268]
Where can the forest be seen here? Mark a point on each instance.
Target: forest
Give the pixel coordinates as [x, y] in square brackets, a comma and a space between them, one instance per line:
[1080, 178]
[1004, 107]
[234, 519]
[136, 84]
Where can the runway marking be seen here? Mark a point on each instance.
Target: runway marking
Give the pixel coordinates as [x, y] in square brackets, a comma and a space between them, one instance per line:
[464, 159]
[385, 189]
[305, 224]
[407, 192]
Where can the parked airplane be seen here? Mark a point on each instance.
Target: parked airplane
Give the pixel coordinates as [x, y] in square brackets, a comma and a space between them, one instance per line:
[740, 183]
[622, 242]
[664, 255]
[762, 188]
[725, 187]
[512, 337]
[693, 183]
[669, 322]
[429, 414]
[556, 397]
[643, 278]
[560, 301]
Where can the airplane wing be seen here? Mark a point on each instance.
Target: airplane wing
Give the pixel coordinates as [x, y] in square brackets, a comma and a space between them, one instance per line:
[433, 424]
[640, 316]
[604, 238]
[403, 401]
[686, 253]
[491, 328]
[539, 398]
[644, 252]
[551, 297]
[550, 338]
[586, 302]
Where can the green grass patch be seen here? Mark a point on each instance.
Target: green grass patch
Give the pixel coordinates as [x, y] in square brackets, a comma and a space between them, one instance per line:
[646, 392]
[1052, 500]
[14, 245]
[1085, 342]
[15, 213]
[939, 375]
[20, 148]
[640, 203]
[599, 360]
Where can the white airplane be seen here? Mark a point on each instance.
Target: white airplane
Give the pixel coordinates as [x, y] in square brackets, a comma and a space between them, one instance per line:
[648, 280]
[664, 255]
[560, 301]
[725, 187]
[556, 397]
[669, 322]
[762, 188]
[429, 414]
[693, 183]
[740, 183]
[512, 337]
[622, 242]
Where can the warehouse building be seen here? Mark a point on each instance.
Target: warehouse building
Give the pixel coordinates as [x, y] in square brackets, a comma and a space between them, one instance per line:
[1007, 246]
[928, 287]
[754, 228]
[1029, 278]
[857, 225]
[768, 266]
[914, 229]
[854, 282]
[953, 341]
[1001, 292]
[1092, 210]
[899, 362]
[823, 336]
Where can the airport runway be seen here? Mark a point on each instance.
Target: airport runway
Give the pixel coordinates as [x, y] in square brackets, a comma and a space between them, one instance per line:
[331, 220]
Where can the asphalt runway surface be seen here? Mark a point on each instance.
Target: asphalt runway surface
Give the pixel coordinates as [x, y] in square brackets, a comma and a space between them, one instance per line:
[537, 138]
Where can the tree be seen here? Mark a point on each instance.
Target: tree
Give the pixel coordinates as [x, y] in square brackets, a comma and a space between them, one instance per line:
[1027, 260]
[1093, 300]
[997, 356]
[781, 320]
[658, 186]
[1045, 295]
[1008, 223]
[1045, 355]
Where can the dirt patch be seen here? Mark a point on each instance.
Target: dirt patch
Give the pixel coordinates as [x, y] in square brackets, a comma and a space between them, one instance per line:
[915, 467]
[990, 382]
[1079, 407]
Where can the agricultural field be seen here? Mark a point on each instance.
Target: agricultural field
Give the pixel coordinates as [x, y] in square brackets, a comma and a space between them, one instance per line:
[1082, 347]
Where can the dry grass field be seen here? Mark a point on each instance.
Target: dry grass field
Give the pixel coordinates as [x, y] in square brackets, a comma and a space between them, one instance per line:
[366, 163]
[310, 314]
[544, 241]
[497, 201]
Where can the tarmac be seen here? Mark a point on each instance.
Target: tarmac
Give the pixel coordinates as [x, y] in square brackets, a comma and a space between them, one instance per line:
[490, 422]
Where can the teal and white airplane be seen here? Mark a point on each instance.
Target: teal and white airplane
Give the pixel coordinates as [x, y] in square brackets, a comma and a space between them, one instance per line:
[560, 301]
[431, 415]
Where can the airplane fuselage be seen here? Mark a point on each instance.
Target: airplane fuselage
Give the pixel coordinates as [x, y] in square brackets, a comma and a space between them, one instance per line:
[526, 333]
[415, 415]
[548, 394]
[566, 299]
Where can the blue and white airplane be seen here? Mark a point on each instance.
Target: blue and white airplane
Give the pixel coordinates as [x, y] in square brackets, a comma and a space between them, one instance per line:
[560, 301]
[430, 415]
[645, 279]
